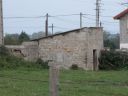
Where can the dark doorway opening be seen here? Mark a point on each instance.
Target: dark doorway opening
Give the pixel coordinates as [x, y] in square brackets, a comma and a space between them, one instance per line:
[95, 60]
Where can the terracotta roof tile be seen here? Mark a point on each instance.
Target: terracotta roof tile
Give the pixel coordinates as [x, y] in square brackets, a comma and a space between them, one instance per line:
[121, 14]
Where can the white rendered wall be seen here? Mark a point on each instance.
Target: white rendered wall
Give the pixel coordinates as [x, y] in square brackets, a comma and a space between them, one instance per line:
[124, 46]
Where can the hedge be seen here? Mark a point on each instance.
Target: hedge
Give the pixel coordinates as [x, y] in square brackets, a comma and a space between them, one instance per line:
[113, 60]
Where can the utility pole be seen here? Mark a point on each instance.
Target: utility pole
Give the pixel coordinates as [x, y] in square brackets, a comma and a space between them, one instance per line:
[52, 29]
[1, 24]
[46, 25]
[97, 13]
[100, 24]
[81, 19]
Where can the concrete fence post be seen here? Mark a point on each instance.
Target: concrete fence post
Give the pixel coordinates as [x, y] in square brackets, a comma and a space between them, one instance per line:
[53, 79]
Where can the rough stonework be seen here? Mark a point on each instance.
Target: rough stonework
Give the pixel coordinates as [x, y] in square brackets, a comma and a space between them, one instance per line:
[16, 50]
[28, 50]
[80, 46]
[73, 47]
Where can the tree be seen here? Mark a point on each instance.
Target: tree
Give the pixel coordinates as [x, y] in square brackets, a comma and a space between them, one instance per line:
[11, 39]
[111, 40]
[23, 37]
[38, 35]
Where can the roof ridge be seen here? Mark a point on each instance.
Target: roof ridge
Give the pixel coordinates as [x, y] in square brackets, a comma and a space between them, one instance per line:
[121, 14]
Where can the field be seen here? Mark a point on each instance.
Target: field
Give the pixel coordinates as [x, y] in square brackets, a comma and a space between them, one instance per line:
[72, 83]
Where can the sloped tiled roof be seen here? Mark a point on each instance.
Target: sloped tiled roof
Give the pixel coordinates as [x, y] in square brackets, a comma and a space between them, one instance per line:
[121, 14]
[64, 33]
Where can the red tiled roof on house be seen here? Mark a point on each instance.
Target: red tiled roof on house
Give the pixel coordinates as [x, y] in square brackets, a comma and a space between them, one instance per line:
[121, 14]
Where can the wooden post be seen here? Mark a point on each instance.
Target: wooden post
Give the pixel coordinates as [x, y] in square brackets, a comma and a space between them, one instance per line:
[53, 79]
[52, 28]
[1, 24]
[81, 20]
[46, 25]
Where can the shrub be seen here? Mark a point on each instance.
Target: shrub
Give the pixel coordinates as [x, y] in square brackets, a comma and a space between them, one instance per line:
[8, 61]
[4, 51]
[113, 60]
[43, 64]
[74, 67]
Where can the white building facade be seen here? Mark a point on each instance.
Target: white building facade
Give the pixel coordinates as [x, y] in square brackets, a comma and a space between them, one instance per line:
[123, 17]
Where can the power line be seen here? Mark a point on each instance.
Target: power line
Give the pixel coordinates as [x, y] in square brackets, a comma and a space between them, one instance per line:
[40, 16]
[125, 4]
[22, 21]
[60, 27]
[95, 19]
[58, 17]
[66, 15]
[100, 15]
[66, 21]
[23, 17]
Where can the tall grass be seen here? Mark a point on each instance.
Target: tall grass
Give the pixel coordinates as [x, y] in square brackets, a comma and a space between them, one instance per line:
[8, 61]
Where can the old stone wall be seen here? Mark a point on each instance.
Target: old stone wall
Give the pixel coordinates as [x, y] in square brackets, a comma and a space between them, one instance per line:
[95, 44]
[16, 50]
[28, 50]
[66, 49]
[80, 47]
[72, 47]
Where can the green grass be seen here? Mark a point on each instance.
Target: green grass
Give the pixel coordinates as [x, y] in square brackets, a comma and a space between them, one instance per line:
[72, 83]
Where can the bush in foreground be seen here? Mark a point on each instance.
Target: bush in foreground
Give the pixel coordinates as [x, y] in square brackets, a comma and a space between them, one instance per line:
[113, 60]
[74, 67]
[43, 64]
[8, 61]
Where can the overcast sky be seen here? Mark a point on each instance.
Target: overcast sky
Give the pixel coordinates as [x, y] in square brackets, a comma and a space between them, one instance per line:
[37, 8]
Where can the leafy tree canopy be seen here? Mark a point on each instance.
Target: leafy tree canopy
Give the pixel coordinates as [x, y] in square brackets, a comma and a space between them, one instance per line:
[23, 37]
[11, 39]
[111, 40]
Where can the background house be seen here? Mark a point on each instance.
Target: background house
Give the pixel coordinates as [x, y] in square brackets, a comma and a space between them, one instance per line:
[123, 17]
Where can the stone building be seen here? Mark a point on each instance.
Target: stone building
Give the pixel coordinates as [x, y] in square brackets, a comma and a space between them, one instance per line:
[76, 47]
[80, 46]
[123, 17]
